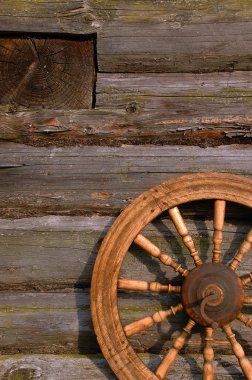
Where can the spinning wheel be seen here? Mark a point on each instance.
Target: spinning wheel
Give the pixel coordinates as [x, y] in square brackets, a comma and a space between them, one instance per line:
[212, 294]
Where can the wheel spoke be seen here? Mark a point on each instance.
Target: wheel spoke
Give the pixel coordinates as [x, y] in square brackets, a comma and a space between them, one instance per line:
[248, 300]
[154, 251]
[147, 286]
[247, 321]
[239, 352]
[183, 232]
[208, 354]
[246, 279]
[171, 355]
[143, 324]
[242, 251]
[219, 216]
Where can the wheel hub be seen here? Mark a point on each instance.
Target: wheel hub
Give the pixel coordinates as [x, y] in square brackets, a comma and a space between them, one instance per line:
[212, 295]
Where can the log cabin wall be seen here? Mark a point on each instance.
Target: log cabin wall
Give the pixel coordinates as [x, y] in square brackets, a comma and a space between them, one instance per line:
[170, 94]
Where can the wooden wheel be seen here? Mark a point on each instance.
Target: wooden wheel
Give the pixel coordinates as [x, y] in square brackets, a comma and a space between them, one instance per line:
[212, 294]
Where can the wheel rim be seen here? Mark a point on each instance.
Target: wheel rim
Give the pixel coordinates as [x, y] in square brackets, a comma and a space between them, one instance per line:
[166, 196]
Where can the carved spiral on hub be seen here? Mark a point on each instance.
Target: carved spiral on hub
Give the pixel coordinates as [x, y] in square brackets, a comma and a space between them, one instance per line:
[212, 295]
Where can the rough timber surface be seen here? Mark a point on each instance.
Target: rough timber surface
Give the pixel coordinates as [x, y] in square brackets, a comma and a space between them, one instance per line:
[56, 252]
[55, 72]
[213, 108]
[147, 35]
[84, 180]
[60, 322]
[89, 367]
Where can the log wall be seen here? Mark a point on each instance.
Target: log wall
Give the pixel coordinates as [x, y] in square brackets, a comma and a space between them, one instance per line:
[172, 96]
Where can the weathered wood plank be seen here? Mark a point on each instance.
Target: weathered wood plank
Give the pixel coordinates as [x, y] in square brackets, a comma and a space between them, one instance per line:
[142, 108]
[91, 367]
[57, 252]
[60, 322]
[71, 181]
[146, 35]
[153, 92]
[130, 125]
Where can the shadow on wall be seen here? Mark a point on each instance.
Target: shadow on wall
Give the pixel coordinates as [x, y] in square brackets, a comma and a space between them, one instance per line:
[85, 315]
[162, 334]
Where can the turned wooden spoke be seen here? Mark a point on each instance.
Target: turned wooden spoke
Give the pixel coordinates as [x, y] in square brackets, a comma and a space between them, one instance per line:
[243, 250]
[248, 300]
[246, 279]
[171, 355]
[144, 285]
[239, 352]
[208, 354]
[219, 216]
[183, 231]
[247, 321]
[210, 286]
[145, 323]
[154, 251]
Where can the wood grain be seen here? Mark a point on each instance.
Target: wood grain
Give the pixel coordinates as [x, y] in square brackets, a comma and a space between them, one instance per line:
[46, 72]
[95, 367]
[104, 298]
[218, 222]
[60, 322]
[239, 353]
[146, 36]
[144, 108]
[171, 91]
[181, 227]
[171, 355]
[208, 353]
[156, 252]
[242, 251]
[84, 180]
[56, 252]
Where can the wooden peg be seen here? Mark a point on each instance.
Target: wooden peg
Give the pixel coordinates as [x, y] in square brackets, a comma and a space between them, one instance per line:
[243, 250]
[154, 251]
[208, 354]
[248, 300]
[219, 217]
[247, 321]
[171, 355]
[143, 324]
[239, 353]
[183, 232]
[246, 279]
[146, 286]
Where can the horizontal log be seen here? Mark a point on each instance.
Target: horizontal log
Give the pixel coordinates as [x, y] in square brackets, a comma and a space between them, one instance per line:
[55, 252]
[72, 181]
[60, 322]
[146, 36]
[117, 127]
[195, 95]
[141, 108]
[113, 89]
[58, 367]
[91, 367]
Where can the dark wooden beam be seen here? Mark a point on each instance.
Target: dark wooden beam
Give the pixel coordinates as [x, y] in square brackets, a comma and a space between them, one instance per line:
[192, 36]
[84, 180]
[60, 322]
[58, 252]
[96, 367]
[205, 109]
[45, 72]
